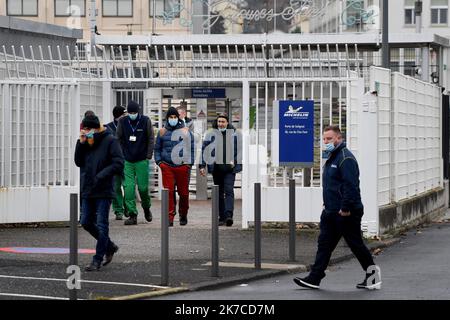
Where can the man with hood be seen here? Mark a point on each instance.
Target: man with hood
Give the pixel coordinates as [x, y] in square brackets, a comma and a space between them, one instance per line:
[174, 154]
[136, 136]
[99, 157]
[118, 201]
[223, 161]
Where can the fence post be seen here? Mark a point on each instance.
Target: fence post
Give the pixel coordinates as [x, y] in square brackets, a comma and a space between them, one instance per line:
[73, 259]
[164, 237]
[292, 232]
[257, 226]
[215, 232]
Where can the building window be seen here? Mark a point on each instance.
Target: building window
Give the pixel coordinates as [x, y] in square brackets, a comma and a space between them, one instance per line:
[439, 11]
[166, 8]
[22, 8]
[117, 8]
[410, 16]
[77, 8]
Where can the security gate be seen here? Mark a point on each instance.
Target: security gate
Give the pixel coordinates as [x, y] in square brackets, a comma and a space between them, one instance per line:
[260, 69]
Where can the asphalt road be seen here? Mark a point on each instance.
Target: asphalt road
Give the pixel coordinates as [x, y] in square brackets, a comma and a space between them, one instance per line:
[415, 268]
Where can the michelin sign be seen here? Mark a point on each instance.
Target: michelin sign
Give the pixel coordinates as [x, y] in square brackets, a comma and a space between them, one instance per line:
[293, 133]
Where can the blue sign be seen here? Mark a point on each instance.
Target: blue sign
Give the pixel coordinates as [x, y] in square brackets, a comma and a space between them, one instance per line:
[208, 93]
[296, 133]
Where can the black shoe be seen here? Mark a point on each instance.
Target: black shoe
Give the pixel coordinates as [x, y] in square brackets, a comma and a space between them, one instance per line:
[94, 266]
[221, 223]
[132, 220]
[109, 255]
[183, 221]
[307, 282]
[125, 213]
[229, 222]
[170, 223]
[119, 217]
[148, 214]
[375, 285]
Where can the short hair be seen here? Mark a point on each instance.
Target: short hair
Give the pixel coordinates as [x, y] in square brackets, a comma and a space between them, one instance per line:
[334, 128]
[89, 113]
[182, 106]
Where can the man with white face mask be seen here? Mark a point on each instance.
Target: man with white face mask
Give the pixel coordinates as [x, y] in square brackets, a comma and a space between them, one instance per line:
[342, 213]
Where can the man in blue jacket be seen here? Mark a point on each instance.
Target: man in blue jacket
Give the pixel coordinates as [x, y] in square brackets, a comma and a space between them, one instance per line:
[342, 213]
[99, 157]
[223, 163]
[175, 154]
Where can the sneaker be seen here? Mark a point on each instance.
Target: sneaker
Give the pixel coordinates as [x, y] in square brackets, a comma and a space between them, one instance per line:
[307, 282]
[132, 220]
[183, 221]
[93, 266]
[109, 255]
[376, 285]
[229, 222]
[119, 216]
[148, 214]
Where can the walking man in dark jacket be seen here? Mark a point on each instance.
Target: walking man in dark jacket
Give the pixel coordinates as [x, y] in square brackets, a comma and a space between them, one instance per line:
[136, 136]
[175, 154]
[342, 213]
[118, 201]
[223, 164]
[99, 157]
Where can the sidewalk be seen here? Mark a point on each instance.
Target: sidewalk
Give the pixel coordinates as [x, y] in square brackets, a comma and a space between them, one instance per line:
[136, 267]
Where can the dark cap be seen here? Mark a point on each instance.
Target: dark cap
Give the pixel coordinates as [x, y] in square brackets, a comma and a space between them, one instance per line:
[118, 111]
[172, 111]
[91, 122]
[133, 107]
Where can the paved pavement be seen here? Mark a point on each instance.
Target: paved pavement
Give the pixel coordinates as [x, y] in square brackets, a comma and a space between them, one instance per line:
[415, 268]
[136, 267]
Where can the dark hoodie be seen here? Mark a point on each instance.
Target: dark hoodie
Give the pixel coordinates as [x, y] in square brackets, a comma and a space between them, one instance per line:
[98, 165]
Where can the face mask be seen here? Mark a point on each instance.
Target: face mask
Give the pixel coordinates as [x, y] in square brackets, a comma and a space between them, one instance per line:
[222, 129]
[173, 122]
[90, 134]
[133, 116]
[328, 147]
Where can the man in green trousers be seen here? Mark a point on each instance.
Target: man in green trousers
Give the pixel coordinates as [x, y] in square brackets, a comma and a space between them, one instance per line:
[136, 136]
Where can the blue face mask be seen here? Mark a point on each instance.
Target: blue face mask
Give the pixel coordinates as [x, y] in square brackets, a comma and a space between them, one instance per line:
[90, 134]
[173, 122]
[133, 116]
[329, 147]
[222, 129]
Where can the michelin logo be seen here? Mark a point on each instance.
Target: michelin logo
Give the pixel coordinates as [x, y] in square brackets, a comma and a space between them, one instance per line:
[297, 113]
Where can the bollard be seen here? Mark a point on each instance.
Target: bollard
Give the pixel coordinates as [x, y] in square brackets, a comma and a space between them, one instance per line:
[73, 257]
[215, 232]
[292, 232]
[258, 226]
[164, 237]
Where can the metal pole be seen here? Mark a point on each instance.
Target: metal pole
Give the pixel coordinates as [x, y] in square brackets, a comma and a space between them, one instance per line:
[258, 226]
[385, 40]
[164, 237]
[215, 232]
[73, 259]
[292, 232]
[153, 16]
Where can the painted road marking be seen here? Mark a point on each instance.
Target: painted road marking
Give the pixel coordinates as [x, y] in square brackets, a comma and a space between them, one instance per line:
[88, 281]
[32, 296]
[31, 250]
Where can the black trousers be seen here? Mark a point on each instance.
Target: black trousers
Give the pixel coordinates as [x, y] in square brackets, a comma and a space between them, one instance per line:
[332, 227]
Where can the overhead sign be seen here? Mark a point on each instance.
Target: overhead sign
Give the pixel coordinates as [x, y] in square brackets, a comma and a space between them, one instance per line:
[208, 93]
[294, 126]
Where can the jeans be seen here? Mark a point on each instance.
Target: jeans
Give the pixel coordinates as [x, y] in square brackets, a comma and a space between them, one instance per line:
[94, 219]
[332, 227]
[225, 181]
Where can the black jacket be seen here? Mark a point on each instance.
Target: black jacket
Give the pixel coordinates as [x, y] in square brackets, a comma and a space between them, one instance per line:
[142, 148]
[341, 181]
[98, 165]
